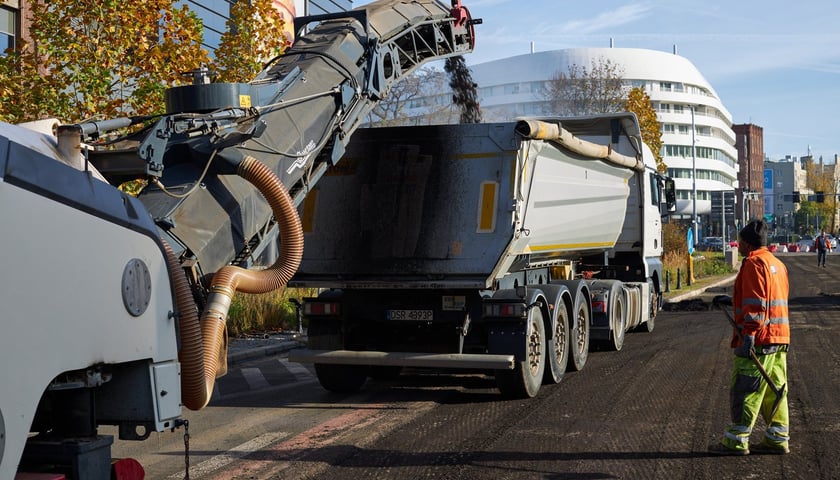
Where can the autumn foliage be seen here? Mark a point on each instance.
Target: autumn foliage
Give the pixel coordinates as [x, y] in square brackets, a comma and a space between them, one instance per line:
[107, 58]
[638, 102]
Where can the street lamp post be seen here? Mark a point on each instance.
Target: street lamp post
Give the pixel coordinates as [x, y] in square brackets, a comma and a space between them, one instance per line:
[693, 177]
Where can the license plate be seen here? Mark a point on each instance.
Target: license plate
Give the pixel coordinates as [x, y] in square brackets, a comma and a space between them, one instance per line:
[418, 315]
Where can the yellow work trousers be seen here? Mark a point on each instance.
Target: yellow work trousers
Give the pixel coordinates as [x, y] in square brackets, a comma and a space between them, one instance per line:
[750, 395]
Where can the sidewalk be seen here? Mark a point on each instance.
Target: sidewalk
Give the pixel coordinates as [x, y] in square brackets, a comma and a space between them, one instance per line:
[697, 289]
[258, 346]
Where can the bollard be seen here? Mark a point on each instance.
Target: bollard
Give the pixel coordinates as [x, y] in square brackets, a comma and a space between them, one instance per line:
[679, 278]
[667, 281]
[690, 273]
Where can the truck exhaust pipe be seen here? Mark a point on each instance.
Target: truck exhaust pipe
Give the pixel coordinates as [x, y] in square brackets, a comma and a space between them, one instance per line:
[554, 132]
[202, 339]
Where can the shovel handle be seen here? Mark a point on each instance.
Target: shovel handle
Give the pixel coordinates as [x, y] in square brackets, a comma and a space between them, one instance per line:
[777, 390]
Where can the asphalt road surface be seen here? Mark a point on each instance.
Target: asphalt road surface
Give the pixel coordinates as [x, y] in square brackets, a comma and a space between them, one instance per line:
[647, 411]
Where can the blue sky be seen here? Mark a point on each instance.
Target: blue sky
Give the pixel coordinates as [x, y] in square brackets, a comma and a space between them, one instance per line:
[774, 64]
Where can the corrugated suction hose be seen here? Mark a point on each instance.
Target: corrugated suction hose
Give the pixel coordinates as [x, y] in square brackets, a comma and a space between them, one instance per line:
[202, 340]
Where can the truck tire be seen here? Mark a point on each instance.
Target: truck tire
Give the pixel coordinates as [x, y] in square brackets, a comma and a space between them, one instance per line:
[557, 352]
[618, 317]
[341, 378]
[654, 309]
[579, 344]
[654, 300]
[526, 377]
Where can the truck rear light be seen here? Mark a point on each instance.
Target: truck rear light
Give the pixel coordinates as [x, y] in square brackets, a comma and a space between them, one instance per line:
[504, 310]
[599, 307]
[322, 308]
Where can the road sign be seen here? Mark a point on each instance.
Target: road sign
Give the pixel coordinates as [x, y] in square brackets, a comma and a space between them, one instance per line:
[690, 240]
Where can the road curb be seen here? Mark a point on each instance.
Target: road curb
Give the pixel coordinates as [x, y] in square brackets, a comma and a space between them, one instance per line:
[259, 352]
[700, 291]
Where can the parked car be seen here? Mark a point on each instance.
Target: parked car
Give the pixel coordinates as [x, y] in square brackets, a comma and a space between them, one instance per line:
[714, 244]
[832, 240]
[806, 243]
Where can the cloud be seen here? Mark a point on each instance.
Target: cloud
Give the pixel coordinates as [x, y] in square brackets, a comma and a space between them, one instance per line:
[606, 20]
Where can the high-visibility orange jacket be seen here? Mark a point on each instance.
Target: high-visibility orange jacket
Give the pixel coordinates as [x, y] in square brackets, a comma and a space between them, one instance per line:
[760, 299]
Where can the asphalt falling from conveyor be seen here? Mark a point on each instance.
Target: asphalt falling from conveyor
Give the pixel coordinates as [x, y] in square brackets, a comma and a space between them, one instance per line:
[464, 93]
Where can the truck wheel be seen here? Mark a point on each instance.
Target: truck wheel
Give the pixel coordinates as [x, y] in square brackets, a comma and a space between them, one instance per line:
[654, 309]
[558, 347]
[580, 333]
[618, 318]
[341, 378]
[526, 377]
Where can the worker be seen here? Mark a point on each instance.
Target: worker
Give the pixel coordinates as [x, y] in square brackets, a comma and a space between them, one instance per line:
[822, 246]
[760, 303]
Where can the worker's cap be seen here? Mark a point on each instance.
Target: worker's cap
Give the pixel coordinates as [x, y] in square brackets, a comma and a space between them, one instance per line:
[754, 233]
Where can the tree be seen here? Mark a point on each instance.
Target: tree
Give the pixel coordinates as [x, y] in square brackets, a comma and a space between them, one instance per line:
[579, 90]
[117, 57]
[99, 59]
[420, 86]
[253, 37]
[638, 102]
[820, 179]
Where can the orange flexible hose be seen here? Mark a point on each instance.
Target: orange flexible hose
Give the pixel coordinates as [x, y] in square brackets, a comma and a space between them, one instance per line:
[199, 355]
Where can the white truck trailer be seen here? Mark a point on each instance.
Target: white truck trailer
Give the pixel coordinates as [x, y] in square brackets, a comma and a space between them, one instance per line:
[503, 247]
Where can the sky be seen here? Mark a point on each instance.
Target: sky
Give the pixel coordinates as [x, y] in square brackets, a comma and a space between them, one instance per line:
[774, 64]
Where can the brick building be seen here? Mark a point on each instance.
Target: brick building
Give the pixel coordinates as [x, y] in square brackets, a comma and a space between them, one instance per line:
[749, 142]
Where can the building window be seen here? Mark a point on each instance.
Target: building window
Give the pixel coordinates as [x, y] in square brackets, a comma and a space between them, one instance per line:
[8, 28]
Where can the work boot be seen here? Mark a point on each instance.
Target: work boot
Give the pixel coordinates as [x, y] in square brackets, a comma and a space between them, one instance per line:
[765, 449]
[723, 450]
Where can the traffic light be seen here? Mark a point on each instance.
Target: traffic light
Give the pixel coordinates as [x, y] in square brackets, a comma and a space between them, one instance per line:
[796, 197]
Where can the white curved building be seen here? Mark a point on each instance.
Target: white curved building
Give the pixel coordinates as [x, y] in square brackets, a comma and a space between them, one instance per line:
[512, 87]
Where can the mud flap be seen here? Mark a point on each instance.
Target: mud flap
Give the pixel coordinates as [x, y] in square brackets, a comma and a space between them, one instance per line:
[507, 339]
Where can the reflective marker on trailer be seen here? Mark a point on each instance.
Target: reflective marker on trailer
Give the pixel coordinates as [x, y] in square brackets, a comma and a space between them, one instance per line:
[322, 308]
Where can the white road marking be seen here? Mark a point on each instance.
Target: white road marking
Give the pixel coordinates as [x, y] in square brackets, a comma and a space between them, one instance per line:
[255, 378]
[298, 370]
[212, 464]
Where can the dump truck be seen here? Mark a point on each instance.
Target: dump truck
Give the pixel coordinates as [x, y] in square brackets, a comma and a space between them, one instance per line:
[499, 247]
[115, 305]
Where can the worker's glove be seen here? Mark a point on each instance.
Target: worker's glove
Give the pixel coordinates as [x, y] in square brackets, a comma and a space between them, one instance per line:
[744, 349]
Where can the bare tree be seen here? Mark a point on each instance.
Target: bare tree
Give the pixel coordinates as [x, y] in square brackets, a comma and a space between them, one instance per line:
[421, 98]
[579, 90]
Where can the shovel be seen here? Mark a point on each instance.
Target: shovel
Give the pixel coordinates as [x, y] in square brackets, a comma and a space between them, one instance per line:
[721, 301]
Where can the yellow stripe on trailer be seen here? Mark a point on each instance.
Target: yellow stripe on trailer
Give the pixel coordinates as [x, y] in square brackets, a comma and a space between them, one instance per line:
[567, 246]
[487, 201]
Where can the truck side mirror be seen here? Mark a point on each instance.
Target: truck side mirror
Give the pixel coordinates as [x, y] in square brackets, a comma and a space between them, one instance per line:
[670, 195]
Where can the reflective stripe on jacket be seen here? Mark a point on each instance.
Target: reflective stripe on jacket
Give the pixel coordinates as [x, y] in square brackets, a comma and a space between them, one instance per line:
[760, 299]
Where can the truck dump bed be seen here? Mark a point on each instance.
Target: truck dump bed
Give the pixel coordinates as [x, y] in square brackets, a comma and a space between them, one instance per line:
[457, 206]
